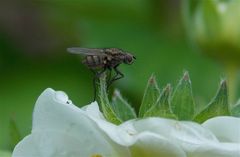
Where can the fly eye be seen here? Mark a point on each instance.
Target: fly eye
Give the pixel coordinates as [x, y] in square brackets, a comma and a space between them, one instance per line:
[129, 59]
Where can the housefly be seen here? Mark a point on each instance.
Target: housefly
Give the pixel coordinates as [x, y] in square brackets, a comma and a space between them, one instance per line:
[99, 60]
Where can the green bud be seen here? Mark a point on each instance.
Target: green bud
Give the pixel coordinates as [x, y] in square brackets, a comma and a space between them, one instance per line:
[219, 106]
[214, 25]
[182, 103]
[150, 96]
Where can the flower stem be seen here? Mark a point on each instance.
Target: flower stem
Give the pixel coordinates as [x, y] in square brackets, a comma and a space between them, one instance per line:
[231, 72]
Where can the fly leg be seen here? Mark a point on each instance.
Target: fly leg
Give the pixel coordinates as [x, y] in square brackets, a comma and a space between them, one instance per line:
[118, 76]
[109, 75]
[97, 75]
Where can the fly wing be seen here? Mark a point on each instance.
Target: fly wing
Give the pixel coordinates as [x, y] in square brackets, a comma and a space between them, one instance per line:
[86, 51]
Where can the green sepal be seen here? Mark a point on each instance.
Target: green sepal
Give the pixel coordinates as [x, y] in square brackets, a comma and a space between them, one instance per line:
[14, 133]
[150, 97]
[235, 111]
[182, 102]
[162, 106]
[219, 106]
[122, 108]
[104, 102]
[4, 153]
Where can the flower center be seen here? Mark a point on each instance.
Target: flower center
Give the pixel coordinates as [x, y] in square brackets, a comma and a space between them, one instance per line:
[96, 155]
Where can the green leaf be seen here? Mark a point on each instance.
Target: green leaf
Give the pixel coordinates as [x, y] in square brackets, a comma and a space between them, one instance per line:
[182, 103]
[162, 106]
[150, 96]
[235, 111]
[5, 153]
[105, 105]
[14, 133]
[219, 106]
[122, 108]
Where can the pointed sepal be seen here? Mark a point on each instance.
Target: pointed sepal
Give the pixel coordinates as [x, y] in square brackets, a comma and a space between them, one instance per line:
[235, 111]
[105, 104]
[219, 106]
[150, 96]
[122, 108]
[162, 106]
[182, 102]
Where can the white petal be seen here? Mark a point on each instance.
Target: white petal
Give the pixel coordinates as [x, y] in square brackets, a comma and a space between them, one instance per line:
[93, 111]
[226, 129]
[61, 97]
[26, 148]
[113, 131]
[194, 139]
[58, 144]
[190, 136]
[59, 125]
[152, 145]
[144, 144]
[216, 150]
[171, 129]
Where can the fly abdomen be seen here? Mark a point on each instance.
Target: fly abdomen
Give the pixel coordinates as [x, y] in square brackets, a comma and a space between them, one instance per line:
[93, 61]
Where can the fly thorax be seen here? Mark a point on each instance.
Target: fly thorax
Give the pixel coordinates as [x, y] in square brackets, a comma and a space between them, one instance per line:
[109, 58]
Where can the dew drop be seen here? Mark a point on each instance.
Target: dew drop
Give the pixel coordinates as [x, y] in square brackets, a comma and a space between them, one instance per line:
[61, 97]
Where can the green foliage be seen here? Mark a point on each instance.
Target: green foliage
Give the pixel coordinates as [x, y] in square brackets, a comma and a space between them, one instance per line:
[15, 135]
[235, 111]
[150, 96]
[219, 106]
[122, 108]
[182, 102]
[5, 153]
[162, 107]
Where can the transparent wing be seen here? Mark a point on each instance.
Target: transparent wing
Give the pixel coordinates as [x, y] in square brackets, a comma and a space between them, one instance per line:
[86, 51]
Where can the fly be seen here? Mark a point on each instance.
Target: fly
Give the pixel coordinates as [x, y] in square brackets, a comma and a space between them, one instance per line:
[100, 60]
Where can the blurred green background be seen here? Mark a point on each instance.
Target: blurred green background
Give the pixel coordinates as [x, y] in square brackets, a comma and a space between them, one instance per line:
[34, 35]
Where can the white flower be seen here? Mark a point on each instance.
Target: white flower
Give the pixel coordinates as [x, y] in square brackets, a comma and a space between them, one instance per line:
[60, 129]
